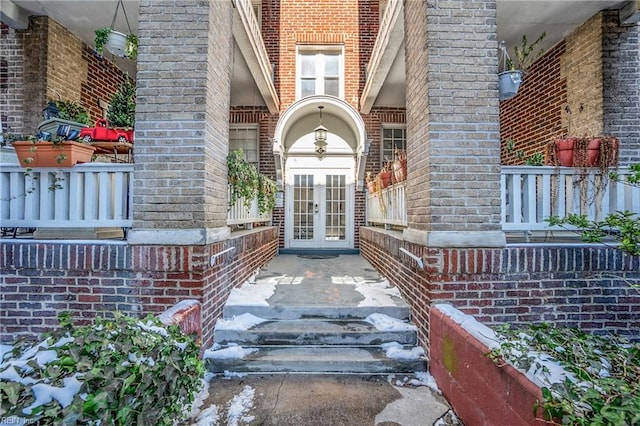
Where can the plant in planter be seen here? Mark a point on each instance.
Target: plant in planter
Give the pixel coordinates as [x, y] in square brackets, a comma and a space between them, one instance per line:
[400, 166]
[513, 71]
[122, 108]
[64, 113]
[120, 44]
[371, 183]
[52, 152]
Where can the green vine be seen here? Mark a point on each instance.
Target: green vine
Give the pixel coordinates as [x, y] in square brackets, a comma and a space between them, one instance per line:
[246, 183]
[603, 384]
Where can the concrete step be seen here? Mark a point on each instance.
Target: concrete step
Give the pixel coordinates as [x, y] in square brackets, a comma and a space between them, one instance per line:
[314, 332]
[314, 359]
[289, 312]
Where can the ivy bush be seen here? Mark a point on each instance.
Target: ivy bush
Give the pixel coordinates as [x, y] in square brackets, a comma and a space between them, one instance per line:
[118, 371]
[603, 385]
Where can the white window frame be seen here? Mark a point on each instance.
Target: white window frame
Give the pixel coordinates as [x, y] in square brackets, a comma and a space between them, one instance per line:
[248, 126]
[319, 76]
[390, 126]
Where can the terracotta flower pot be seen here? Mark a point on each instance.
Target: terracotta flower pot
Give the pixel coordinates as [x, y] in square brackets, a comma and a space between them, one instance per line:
[564, 151]
[47, 154]
[385, 179]
[400, 170]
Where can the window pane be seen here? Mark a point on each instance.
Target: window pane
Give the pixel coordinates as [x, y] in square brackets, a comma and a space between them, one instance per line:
[331, 87]
[307, 65]
[307, 87]
[331, 65]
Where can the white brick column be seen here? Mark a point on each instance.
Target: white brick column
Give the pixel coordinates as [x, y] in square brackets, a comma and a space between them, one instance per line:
[453, 146]
[182, 125]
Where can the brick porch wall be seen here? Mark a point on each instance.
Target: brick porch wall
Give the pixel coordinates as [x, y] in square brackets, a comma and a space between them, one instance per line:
[40, 280]
[576, 286]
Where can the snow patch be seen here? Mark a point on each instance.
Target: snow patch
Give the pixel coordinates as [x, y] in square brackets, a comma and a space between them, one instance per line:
[239, 322]
[232, 352]
[251, 294]
[423, 378]
[377, 293]
[386, 323]
[230, 374]
[394, 350]
[239, 406]
[167, 316]
[153, 329]
[209, 416]
[44, 393]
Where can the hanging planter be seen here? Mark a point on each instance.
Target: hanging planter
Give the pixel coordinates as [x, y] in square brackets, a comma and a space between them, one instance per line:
[117, 43]
[510, 78]
[509, 83]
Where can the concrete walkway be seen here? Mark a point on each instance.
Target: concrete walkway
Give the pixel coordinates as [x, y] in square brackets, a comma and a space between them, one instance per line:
[322, 399]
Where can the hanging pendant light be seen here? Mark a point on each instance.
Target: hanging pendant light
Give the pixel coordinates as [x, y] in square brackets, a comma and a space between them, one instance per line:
[320, 137]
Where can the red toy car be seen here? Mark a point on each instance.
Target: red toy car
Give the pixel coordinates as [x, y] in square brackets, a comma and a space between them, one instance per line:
[102, 132]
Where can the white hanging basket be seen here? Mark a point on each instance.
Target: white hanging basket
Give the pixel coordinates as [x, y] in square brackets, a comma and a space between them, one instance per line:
[117, 44]
[509, 83]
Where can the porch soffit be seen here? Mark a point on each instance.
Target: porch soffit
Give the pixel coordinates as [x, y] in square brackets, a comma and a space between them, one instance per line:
[346, 121]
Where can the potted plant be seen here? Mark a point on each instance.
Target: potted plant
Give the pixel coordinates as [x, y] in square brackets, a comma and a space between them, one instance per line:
[371, 183]
[64, 113]
[119, 44]
[51, 152]
[513, 71]
[400, 166]
[122, 108]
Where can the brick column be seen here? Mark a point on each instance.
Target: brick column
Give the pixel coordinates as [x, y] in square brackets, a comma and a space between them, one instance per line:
[621, 81]
[453, 146]
[182, 122]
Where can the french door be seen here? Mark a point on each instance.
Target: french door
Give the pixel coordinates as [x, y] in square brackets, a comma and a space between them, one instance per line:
[319, 208]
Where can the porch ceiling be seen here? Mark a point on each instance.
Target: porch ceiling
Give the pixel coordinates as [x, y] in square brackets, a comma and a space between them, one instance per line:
[515, 18]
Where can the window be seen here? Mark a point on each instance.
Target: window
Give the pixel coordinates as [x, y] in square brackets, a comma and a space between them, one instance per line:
[393, 137]
[319, 72]
[247, 139]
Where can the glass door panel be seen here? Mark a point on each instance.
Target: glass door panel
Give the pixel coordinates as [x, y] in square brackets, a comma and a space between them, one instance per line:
[335, 208]
[303, 208]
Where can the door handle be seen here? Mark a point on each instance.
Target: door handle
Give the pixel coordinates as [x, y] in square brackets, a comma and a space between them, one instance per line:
[315, 208]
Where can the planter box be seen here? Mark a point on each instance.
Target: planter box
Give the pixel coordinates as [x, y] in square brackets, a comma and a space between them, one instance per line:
[479, 392]
[53, 124]
[46, 154]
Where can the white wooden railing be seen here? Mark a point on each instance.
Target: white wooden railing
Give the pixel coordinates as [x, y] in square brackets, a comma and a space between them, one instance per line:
[84, 196]
[388, 207]
[240, 214]
[531, 194]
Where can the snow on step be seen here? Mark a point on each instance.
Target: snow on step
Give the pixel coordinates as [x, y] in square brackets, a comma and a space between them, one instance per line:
[374, 330]
[314, 359]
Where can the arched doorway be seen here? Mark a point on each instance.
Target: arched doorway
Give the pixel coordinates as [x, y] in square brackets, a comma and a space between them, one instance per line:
[319, 190]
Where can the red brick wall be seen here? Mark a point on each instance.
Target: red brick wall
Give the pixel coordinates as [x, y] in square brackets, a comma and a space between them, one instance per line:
[39, 280]
[349, 23]
[102, 81]
[569, 286]
[479, 392]
[534, 116]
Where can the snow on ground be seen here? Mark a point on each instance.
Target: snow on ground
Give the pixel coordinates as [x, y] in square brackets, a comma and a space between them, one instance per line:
[239, 322]
[386, 323]
[237, 410]
[377, 293]
[252, 294]
[394, 350]
[231, 352]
